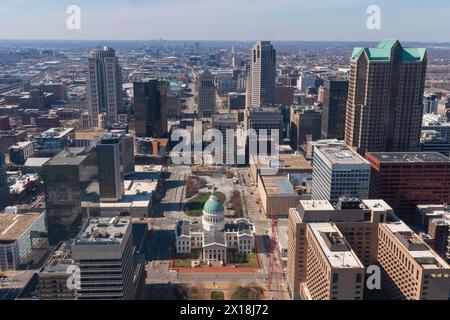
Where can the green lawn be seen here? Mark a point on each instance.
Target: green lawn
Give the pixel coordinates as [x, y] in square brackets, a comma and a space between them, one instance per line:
[217, 295]
[194, 208]
[242, 260]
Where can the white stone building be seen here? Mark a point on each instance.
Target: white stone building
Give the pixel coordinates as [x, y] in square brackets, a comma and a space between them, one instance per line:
[214, 236]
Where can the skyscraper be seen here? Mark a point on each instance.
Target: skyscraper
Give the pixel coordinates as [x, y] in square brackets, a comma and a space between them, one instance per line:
[66, 179]
[110, 171]
[261, 78]
[4, 188]
[108, 261]
[335, 92]
[206, 94]
[385, 101]
[150, 108]
[104, 84]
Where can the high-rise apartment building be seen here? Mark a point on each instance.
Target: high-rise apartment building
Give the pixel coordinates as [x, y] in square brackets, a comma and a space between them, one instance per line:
[405, 180]
[150, 108]
[206, 94]
[356, 220]
[104, 76]
[261, 77]
[110, 171]
[335, 93]
[338, 172]
[385, 101]
[105, 253]
[409, 268]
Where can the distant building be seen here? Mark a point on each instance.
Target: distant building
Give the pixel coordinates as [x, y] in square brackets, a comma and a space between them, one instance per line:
[335, 93]
[339, 172]
[150, 108]
[104, 76]
[236, 100]
[305, 125]
[432, 141]
[110, 171]
[206, 94]
[4, 187]
[430, 103]
[21, 151]
[434, 220]
[405, 180]
[385, 102]
[11, 137]
[284, 96]
[53, 141]
[261, 77]
[305, 81]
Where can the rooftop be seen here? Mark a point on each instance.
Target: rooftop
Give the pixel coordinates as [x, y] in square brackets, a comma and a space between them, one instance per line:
[415, 246]
[340, 155]
[333, 245]
[384, 50]
[278, 185]
[409, 157]
[103, 231]
[285, 162]
[70, 156]
[13, 226]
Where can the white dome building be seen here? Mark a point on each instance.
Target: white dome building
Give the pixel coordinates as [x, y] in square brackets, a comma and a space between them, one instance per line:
[213, 218]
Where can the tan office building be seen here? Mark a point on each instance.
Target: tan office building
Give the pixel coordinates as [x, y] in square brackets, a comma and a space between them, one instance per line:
[356, 220]
[334, 272]
[410, 268]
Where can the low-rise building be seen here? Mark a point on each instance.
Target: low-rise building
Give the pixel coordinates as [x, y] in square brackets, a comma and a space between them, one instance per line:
[20, 235]
[277, 195]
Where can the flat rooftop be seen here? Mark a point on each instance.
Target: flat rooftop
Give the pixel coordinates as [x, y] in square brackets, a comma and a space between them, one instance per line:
[340, 155]
[12, 227]
[278, 185]
[70, 156]
[409, 157]
[103, 231]
[285, 162]
[338, 252]
[415, 246]
[316, 205]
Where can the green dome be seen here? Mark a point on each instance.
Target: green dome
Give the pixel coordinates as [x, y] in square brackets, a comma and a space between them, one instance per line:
[213, 205]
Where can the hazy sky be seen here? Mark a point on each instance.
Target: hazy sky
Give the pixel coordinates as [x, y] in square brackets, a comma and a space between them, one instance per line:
[407, 20]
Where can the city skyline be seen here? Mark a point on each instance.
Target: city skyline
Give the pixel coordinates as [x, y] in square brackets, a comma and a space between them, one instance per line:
[185, 20]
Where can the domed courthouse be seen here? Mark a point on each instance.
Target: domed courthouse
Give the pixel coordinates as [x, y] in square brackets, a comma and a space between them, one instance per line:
[214, 236]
